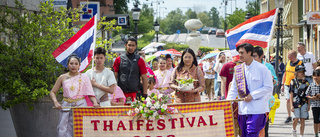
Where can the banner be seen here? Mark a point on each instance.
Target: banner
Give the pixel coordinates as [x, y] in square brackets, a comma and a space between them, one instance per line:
[204, 119]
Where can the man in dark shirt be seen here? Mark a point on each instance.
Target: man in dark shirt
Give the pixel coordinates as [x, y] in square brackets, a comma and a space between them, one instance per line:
[128, 69]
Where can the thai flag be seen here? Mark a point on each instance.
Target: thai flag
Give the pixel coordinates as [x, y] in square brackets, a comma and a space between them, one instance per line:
[82, 44]
[257, 30]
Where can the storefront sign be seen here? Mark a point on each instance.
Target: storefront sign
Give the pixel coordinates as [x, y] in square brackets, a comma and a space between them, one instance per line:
[313, 17]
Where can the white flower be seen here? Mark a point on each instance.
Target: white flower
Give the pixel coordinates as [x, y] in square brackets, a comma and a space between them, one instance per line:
[136, 110]
[164, 106]
[175, 111]
[157, 105]
[146, 110]
[148, 99]
[155, 113]
[140, 108]
[149, 104]
[129, 112]
[152, 108]
[160, 95]
[161, 117]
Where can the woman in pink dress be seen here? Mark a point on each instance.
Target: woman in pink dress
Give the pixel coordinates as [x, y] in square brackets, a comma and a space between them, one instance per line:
[117, 98]
[75, 87]
[170, 66]
[163, 77]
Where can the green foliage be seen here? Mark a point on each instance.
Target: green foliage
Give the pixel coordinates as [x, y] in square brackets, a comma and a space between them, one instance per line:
[174, 21]
[120, 6]
[236, 18]
[29, 71]
[214, 16]
[253, 7]
[146, 39]
[145, 21]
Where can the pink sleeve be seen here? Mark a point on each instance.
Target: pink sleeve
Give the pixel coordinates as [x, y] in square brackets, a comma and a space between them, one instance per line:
[87, 87]
[118, 94]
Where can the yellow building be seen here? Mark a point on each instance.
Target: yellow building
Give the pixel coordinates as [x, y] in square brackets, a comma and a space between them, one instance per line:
[295, 28]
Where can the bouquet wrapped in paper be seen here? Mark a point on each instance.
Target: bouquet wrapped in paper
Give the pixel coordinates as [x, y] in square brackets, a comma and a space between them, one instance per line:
[185, 84]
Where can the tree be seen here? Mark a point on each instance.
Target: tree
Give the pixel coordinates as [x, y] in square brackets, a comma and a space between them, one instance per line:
[120, 6]
[236, 18]
[29, 69]
[145, 21]
[204, 18]
[191, 14]
[175, 22]
[253, 8]
[214, 16]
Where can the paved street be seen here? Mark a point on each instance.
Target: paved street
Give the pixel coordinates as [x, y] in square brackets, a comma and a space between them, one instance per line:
[278, 129]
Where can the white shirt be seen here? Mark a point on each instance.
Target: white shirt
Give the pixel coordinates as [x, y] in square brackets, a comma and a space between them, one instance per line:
[218, 68]
[259, 82]
[206, 66]
[307, 59]
[105, 78]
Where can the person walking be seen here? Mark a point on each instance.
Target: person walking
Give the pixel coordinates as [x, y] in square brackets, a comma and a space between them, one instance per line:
[75, 87]
[308, 60]
[128, 68]
[217, 68]
[300, 104]
[287, 77]
[252, 81]
[313, 93]
[103, 80]
[209, 77]
[188, 68]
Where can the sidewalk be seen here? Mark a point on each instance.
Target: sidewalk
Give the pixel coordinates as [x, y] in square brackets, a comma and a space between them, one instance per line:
[279, 128]
[6, 124]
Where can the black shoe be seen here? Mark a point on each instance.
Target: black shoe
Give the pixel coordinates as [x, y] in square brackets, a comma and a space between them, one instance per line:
[289, 119]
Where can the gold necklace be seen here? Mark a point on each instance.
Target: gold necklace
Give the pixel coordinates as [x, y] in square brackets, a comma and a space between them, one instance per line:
[72, 87]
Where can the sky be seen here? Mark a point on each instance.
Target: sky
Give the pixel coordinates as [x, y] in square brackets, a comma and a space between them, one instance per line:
[196, 5]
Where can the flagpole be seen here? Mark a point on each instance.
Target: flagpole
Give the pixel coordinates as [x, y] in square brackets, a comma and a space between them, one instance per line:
[270, 37]
[94, 43]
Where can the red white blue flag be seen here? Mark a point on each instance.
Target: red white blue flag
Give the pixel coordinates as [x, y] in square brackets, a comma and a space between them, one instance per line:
[257, 30]
[82, 44]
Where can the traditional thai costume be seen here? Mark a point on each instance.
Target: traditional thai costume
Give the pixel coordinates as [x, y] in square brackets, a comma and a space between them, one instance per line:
[163, 80]
[74, 91]
[155, 91]
[255, 80]
[105, 78]
[117, 95]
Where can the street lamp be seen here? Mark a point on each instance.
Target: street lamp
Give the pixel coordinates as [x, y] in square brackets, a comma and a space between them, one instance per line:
[248, 16]
[279, 4]
[135, 17]
[156, 29]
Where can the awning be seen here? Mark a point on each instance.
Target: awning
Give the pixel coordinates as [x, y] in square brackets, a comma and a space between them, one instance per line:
[287, 43]
[286, 11]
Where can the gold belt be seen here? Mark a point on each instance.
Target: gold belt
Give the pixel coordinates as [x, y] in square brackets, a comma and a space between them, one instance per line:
[163, 88]
[70, 100]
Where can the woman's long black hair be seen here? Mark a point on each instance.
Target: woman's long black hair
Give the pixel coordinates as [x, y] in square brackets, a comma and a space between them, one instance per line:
[195, 62]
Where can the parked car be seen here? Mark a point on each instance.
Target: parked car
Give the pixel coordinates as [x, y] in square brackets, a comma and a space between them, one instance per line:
[212, 31]
[220, 33]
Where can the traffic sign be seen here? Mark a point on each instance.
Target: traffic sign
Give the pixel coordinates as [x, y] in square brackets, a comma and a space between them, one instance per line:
[178, 31]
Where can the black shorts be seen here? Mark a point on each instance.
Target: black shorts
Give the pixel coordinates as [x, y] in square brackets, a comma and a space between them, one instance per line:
[316, 114]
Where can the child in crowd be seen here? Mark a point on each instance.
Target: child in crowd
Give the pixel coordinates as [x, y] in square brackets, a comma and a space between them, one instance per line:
[300, 105]
[313, 93]
[151, 84]
[117, 98]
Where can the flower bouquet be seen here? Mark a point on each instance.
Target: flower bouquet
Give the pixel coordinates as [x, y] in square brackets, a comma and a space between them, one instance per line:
[152, 107]
[185, 84]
